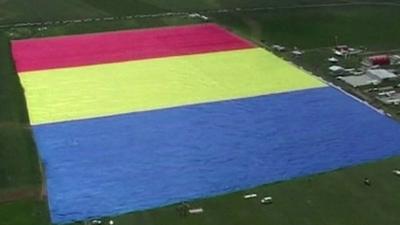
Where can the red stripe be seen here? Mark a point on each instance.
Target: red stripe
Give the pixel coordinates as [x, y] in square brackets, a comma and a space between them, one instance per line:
[80, 50]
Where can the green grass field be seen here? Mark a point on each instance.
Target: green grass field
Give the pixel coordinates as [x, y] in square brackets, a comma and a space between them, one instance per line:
[12, 11]
[24, 212]
[19, 165]
[20, 176]
[337, 198]
[369, 26]
[97, 26]
[44, 10]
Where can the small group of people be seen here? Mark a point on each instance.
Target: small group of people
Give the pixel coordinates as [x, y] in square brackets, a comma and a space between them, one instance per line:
[183, 209]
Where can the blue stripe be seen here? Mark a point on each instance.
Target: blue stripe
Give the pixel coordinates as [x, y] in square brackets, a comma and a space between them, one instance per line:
[137, 161]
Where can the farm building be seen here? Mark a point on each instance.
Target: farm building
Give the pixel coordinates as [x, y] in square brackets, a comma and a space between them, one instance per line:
[333, 60]
[377, 60]
[392, 99]
[340, 71]
[278, 48]
[297, 53]
[380, 74]
[342, 48]
[370, 77]
[358, 81]
[395, 59]
[336, 70]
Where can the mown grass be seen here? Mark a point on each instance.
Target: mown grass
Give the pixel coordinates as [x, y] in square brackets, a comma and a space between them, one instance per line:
[369, 26]
[12, 11]
[19, 162]
[24, 212]
[97, 26]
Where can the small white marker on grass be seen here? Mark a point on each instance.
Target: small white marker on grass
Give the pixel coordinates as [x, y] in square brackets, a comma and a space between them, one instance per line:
[196, 211]
[249, 196]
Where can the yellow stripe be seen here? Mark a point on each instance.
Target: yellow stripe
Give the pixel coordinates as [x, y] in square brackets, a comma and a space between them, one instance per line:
[109, 89]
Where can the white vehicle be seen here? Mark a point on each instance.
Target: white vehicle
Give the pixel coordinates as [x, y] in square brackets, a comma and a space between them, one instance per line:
[266, 200]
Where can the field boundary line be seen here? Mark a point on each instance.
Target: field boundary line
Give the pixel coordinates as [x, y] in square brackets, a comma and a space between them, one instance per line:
[32, 192]
[15, 125]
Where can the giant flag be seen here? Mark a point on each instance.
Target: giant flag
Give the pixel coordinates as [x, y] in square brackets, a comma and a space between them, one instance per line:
[138, 119]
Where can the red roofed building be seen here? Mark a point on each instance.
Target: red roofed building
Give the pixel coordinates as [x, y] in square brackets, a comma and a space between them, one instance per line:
[378, 60]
